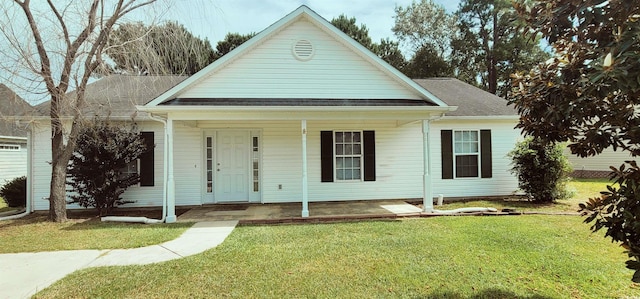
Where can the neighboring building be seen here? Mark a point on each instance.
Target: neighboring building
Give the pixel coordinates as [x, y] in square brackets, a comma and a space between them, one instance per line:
[13, 136]
[597, 166]
[299, 113]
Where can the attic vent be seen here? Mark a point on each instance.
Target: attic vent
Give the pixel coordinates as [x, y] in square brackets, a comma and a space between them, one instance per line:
[303, 50]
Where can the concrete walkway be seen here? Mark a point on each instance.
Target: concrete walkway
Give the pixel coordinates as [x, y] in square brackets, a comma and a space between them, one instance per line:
[24, 274]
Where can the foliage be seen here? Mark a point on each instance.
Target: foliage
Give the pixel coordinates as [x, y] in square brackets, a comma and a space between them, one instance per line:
[14, 192]
[96, 172]
[427, 63]
[230, 42]
[158, 49]
[588, 94]
[387, 49]
[542, 170]
[617, 210]
[349, 26]
[425, 24]
[59, 45]
[489, 45]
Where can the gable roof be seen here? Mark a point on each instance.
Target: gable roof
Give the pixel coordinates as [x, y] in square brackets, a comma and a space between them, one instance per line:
[471, 101]
[117, 96]
[12, 106]
[303, 12]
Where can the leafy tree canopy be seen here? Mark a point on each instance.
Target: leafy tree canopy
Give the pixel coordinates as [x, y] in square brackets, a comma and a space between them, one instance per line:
[588, 94]
[158, 49]
[489, 45]
[230, 42]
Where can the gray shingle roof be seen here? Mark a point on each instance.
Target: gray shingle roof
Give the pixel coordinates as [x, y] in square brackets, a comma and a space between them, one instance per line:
[117, 95]
[12, 105]
[471, 101]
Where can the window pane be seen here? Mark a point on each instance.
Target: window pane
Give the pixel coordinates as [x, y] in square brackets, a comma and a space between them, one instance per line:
[209, 165]
[348, 175]
[356, 137]
[467, 166]
[357, 149]
[340, 174]
[348, 162]
[339, 163]
[458, 136]
[356, 162]
[356, 174]
[347, 137]
[339, 137]
[348, 149]
[339, 149]
[473, 148]
[209, 141]
[208, 153]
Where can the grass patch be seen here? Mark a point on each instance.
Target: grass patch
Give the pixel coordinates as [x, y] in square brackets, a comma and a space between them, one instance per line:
[583, 188]
[34, 233]
[444, 257]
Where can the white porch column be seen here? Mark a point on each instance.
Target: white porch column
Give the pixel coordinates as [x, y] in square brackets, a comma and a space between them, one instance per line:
[427, 190]
[305, 188]
[171, 183]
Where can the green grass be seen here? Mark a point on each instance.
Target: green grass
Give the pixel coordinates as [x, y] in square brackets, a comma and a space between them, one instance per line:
[535, 256]
[35, 233]
[583, 190]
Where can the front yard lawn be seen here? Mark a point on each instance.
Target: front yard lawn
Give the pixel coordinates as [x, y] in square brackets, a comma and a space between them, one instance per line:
[583, 190]
[34, 233]
[534, 256]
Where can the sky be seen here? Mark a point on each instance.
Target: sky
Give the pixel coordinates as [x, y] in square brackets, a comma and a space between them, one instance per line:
[213, 19]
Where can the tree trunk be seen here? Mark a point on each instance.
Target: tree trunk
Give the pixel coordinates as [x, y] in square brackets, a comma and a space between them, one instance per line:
[57, 196]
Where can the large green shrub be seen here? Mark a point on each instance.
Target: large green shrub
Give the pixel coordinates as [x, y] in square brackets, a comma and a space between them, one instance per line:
[96, 170]
[14, 192]
[542, 170]
[618, 211]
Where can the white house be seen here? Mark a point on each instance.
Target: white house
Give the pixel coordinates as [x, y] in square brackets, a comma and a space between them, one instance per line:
[13, 137]
[299, 113]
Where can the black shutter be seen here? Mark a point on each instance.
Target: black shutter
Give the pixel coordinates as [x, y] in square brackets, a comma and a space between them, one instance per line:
[446, 144]
[369, 145]
[146, 160]
[326, 156]
[485, 153]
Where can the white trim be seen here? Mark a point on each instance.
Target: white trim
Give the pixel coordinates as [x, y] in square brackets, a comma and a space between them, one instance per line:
[477, 154]
[427, 181]
[13, 138]
[305, 179]
[482, 117]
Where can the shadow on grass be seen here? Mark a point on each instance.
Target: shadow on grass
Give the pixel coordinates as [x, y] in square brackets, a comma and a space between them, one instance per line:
[492, 293]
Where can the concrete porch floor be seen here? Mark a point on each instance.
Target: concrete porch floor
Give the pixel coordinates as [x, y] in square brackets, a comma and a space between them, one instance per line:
[291, 212]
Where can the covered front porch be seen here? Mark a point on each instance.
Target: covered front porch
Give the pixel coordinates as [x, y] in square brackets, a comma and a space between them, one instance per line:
[402, 158]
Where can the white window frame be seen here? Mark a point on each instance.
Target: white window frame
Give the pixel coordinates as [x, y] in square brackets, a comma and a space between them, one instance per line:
[464, 153]
[10, 147]
[360, 156]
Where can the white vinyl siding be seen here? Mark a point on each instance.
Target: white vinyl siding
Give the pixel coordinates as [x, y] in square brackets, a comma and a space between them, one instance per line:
[600, 162]
[145, 196]
[271, 71]
[503, 139]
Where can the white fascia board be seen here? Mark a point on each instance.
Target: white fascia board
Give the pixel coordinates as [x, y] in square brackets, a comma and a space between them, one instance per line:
[13, 138]
[482, 117]
[296, 113]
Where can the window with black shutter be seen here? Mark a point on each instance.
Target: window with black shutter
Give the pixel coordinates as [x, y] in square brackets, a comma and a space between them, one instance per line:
[347, 156]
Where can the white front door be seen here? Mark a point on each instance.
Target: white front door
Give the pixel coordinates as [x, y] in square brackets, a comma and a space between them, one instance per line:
[232, 166]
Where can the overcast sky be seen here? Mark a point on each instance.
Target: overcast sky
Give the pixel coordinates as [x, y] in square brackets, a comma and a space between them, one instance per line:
[213, 19]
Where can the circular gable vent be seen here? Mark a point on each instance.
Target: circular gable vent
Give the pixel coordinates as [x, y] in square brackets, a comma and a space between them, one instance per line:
[303, 50]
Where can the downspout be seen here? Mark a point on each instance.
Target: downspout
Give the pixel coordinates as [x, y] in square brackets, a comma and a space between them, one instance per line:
[164, 189]
[29, 202]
